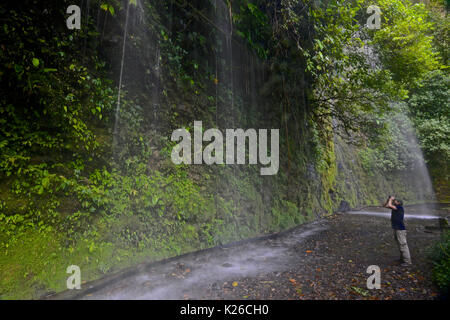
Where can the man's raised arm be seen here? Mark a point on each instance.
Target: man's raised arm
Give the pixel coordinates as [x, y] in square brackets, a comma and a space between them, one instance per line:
[389, 204]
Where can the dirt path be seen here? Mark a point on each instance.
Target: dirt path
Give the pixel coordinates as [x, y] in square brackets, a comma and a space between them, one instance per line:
[323, 260]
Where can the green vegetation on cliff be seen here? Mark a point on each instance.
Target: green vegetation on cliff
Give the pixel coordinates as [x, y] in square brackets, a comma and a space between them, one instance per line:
[86, 180]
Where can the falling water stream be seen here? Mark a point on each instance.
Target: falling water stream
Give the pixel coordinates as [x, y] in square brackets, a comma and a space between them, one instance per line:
[420, 176]
[232, 75]
[116, 123]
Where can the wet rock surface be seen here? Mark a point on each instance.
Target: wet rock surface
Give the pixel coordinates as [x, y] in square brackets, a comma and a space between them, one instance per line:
[326, 259]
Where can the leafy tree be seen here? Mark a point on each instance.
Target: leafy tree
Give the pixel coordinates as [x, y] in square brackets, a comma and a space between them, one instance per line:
[404, 44]
[429, 105]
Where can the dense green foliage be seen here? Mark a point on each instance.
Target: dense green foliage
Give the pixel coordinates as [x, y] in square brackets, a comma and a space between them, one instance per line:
[441, 260]
[88, 180]
[430, 108]
[429, 105]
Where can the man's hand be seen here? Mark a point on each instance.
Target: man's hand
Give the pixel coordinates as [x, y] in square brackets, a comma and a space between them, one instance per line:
[389, 204]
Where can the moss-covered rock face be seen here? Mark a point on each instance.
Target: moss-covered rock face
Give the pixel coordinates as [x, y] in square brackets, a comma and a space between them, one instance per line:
[86, 175]
[361, 183]
[441, 183]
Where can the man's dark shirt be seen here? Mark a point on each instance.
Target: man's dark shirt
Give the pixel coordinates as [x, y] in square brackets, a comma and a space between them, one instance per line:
[397, 218]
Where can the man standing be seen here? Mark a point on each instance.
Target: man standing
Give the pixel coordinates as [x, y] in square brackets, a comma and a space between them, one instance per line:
[397, 215]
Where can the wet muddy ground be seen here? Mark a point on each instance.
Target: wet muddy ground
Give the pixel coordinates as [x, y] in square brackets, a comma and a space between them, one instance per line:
[326, 259]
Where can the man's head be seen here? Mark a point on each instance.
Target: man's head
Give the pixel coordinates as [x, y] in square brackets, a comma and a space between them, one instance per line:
[397, 202]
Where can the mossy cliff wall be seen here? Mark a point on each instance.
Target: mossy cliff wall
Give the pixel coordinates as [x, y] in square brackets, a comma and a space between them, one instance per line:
[95, 185]
[361, 182]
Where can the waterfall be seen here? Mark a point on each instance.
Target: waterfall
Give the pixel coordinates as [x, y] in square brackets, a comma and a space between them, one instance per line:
[419, 174]
[116, 123]
[407, 178]
[139, 69]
